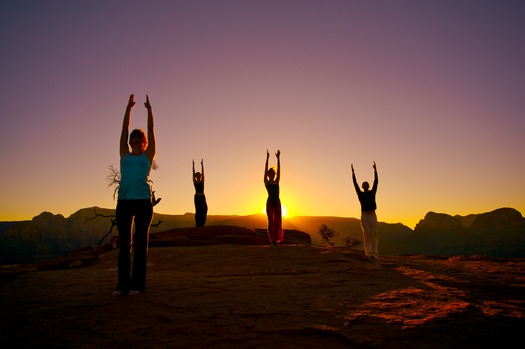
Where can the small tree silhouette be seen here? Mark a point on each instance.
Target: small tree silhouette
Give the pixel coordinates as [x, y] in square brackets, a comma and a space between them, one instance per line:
[351, 241]
[327, 234]
[114, 179]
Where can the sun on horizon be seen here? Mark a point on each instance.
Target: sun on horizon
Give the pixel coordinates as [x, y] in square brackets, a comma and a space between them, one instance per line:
[284, 211]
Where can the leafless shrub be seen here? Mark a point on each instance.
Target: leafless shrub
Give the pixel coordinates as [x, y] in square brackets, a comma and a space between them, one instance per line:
[327, 234]
[351, 241]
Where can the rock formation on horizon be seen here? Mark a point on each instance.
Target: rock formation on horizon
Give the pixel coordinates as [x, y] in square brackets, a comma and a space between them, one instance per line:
[500, 233]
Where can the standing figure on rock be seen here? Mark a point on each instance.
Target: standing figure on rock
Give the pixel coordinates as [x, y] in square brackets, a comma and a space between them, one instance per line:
[134, 205]
[201, 208]
[367, 198]
[273, 203]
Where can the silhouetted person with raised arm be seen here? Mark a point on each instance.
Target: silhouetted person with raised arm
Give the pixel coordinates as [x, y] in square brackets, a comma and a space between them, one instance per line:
[201, 208]
[367, 198]
[134, 204]
[273, 203]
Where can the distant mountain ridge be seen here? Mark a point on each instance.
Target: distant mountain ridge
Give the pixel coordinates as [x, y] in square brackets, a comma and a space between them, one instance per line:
[499, 233]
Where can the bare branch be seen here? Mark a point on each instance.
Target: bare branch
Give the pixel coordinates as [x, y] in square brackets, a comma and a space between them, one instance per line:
[157, 224]
[114, 179]
[113, 224]
[154, 201]
[99, 215]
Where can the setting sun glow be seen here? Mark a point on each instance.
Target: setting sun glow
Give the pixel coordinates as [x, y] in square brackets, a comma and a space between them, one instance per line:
[284, 211]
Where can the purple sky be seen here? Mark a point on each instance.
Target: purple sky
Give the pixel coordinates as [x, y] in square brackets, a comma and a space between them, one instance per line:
[433, 91]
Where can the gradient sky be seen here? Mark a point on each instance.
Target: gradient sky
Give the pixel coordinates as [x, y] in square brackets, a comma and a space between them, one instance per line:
[433, 91]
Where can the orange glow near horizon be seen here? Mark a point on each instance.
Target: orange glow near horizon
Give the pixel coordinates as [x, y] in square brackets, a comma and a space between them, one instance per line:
[284, 211]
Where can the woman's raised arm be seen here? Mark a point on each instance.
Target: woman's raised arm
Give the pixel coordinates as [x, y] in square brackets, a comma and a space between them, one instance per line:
[151, 149]
[124, 149]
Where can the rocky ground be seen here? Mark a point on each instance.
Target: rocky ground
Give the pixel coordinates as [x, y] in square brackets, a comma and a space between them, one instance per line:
[257, 296]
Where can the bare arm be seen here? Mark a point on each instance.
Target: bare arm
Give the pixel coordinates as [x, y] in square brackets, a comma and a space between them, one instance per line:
[374, 187]
[356, 186]
[151, 149]
[193, 170]
[124, 149]
[266, 167]
[202, 170]
[278, 154]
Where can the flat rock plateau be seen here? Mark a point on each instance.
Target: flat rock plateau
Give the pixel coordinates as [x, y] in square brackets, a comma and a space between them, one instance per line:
[256, 296]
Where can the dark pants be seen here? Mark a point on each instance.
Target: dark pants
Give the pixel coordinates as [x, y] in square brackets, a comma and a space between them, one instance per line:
[275, 228]
[128, 212]
[201, 210]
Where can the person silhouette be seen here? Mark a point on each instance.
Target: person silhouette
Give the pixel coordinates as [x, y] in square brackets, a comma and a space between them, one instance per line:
[134, 205]
[273, 203]
[367, 198]
[201, 208]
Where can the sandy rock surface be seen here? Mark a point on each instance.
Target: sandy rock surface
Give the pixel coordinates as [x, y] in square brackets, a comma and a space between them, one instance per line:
[230, 296]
